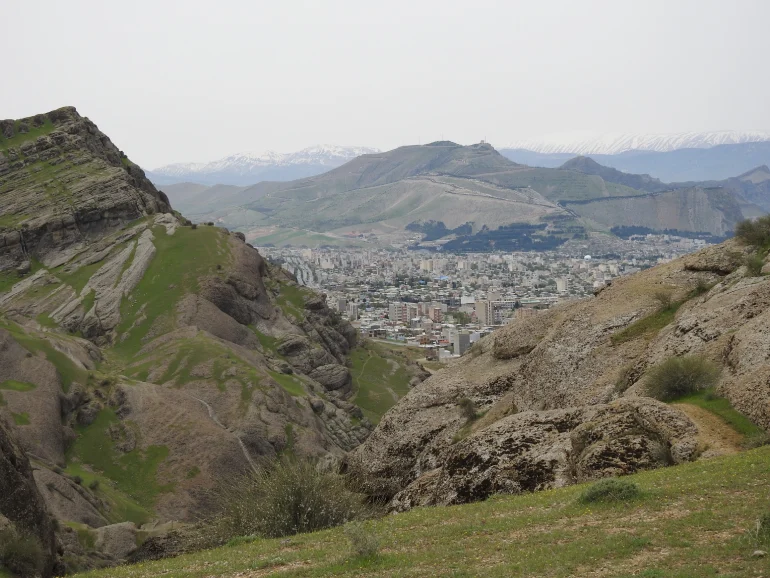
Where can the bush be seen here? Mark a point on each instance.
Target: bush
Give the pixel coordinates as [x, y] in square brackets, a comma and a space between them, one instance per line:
[467, 408]
[287, 497]
[680, 376]
[77, 479]
[21, 553]
[756, 232]
[754, 264]
[363, 541]
[194, 226]
[664, 299]
[610, 490]
[94, 485]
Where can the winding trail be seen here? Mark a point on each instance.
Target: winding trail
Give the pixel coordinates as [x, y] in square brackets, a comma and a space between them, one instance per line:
[215, 419]
[714, 433]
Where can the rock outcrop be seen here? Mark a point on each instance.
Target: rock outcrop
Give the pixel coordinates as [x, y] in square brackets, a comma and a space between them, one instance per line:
[561, 394]
[20, 500]
[62, 184]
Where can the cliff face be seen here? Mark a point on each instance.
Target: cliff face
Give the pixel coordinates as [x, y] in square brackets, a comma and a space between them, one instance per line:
[562, 395]
[143, 360]
[63, 183]
[20, 502]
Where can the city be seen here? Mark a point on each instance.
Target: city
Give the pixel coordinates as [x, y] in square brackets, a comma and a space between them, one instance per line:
[445, 302]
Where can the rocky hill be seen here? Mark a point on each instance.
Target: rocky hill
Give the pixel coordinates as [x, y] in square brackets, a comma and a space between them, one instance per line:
[588, 166]
[560, 397]
[144, 359]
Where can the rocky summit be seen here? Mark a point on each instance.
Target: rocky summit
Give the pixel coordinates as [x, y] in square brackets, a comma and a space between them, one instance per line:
[144, 359]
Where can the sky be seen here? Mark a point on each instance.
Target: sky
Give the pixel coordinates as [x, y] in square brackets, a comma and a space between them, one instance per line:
[183, 81]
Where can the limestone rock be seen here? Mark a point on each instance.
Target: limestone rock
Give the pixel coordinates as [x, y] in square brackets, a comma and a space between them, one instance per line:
[331, 376]
[117, 540]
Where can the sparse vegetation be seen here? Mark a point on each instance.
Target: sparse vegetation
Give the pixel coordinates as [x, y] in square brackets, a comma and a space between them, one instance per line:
[610, 490]
[467, 409]
[754, 263]
[363, 541]
[20, 553]
[761, 531]
[379, 378]
[287, 497]
[754, 232]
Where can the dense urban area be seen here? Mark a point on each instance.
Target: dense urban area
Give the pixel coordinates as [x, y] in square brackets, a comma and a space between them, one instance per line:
[445, 302]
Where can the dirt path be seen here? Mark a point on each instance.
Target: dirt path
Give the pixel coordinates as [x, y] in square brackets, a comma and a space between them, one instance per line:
[715, 436]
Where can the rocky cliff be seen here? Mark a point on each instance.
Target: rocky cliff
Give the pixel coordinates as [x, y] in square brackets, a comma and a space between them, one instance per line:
[562, 396]
[21, 505]
[63, 183]
[144, 359]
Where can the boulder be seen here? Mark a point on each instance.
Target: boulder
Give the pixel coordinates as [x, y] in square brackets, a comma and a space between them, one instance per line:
[118, 540]
[331, 376]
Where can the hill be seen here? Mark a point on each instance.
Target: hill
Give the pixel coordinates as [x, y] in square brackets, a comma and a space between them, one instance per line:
[692, 520]
[588, 166]
[144, 359]
[685, 164]
[473, 187]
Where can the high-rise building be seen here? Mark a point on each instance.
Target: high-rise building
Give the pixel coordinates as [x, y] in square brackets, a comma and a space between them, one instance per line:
[462, 341]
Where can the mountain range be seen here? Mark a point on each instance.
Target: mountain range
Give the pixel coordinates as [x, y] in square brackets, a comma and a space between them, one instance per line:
[610, 144]
[464, 192]
[248, 168]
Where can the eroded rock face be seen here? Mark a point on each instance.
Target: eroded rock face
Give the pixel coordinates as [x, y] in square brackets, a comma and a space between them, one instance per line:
[547, 389]
[534, 451]
[20, 501]
[74, 162]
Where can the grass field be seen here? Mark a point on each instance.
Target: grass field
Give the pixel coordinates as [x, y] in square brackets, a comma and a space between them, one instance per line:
[692, 520]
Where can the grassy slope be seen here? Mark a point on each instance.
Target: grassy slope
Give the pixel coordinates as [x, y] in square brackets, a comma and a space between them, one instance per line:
[376, 382]
[693, 520]
[181, 260]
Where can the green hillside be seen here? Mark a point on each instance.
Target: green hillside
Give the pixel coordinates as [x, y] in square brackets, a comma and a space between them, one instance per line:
[693, 520]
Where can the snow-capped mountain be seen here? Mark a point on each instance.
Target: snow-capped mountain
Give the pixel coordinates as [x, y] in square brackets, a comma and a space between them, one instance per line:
[585, 143]
[249, 168]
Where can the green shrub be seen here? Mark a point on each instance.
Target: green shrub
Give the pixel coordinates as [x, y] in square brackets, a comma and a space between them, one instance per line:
[467, 408]
[664, 299]
[754, 232]
[21, 553]
[754, 264]
[77, 479]
[289, 496]
[94, 485]
[363, 541]
[610, 490]
[680, 376]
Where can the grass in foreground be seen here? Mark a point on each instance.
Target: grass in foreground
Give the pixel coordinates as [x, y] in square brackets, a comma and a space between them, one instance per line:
[692, 520]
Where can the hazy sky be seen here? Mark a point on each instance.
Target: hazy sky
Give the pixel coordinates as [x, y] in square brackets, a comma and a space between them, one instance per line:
[191, 80]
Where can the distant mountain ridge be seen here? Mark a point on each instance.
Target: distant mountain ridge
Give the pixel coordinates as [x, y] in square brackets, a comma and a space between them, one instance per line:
[246, 168]
[691, 164]
[589, 143]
